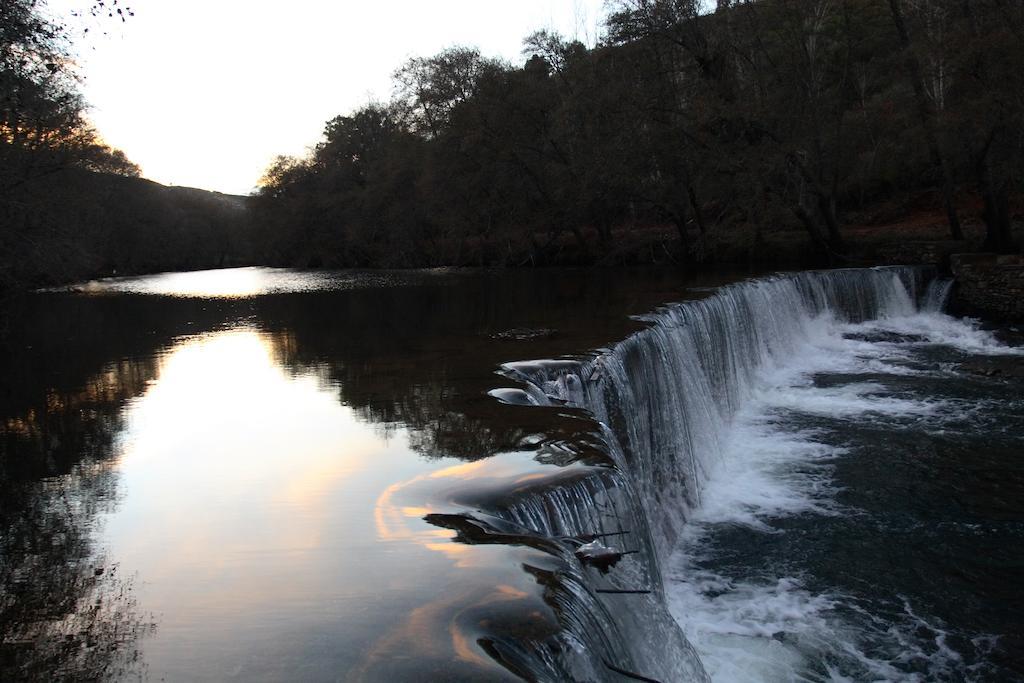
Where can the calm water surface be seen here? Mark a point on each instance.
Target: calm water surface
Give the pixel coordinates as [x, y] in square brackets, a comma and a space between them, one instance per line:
[224, 474]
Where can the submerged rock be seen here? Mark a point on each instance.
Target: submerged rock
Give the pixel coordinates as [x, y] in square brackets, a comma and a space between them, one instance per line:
[1011, 336]
[1008, 366]
[886, 337]
[524, 334]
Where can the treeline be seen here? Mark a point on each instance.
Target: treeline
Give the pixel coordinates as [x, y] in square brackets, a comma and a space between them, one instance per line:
[71, 207]
[76, 224]
[758, 115]
[682, 130]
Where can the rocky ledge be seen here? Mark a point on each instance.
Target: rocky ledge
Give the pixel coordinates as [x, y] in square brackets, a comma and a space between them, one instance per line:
[989, 285]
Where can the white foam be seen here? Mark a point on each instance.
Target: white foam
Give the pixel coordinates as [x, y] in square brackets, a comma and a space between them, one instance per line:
[962, 334]
[766, 628]
[741, 629]
[767, 473]
[777, 630]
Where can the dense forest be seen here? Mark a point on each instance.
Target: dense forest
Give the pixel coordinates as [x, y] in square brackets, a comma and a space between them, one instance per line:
[752, 117]
[685, 127]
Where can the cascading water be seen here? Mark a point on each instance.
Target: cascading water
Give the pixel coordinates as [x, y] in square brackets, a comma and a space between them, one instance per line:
[937, 295]
[688, 413]
[666, 395]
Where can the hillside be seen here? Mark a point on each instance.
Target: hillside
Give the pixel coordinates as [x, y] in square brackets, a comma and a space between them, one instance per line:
[77, 224]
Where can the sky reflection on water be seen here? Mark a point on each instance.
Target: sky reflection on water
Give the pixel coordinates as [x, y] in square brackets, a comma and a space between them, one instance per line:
[248, 498]
[255, 450]
[253, 281]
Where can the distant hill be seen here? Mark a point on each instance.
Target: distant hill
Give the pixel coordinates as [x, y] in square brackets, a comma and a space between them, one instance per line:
[236, 201]
[77, 224]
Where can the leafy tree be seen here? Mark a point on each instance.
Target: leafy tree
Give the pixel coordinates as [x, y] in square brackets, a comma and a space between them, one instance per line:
[430, 88]
[43, 132]
[760, 115]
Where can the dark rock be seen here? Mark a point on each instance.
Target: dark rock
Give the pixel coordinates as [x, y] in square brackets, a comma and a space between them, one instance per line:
[989, 285]
[936, 253]
[524, 334]
[599, 555]
[886, 337]
[1004, 366]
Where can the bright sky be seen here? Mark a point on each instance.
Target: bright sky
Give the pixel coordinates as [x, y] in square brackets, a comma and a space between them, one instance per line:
[205, 94]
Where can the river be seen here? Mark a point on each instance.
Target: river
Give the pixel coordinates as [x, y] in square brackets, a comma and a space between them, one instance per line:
[260, 474]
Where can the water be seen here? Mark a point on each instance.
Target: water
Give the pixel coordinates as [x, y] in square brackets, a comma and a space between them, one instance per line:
[864, 524]
[245, 474]
[260, 474]
[836, 494]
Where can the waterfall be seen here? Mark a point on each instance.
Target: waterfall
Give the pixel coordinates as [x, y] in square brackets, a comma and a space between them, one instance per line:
[665, 398]
[666, 395]
[937, 295]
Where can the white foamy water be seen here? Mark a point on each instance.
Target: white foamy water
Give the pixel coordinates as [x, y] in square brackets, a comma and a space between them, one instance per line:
[735, 419]
[750, 624]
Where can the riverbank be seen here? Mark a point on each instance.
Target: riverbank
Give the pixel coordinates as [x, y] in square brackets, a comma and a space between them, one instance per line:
[910, 229]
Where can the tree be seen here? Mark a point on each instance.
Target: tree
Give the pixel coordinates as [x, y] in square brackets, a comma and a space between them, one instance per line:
[42, 123]
[926, 112]
[758, 115]
[65, 209]
[430, 88]
[987, 106]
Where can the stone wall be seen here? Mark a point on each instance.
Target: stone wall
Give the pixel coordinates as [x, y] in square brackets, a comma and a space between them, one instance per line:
[932, 252]
[989, 285]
